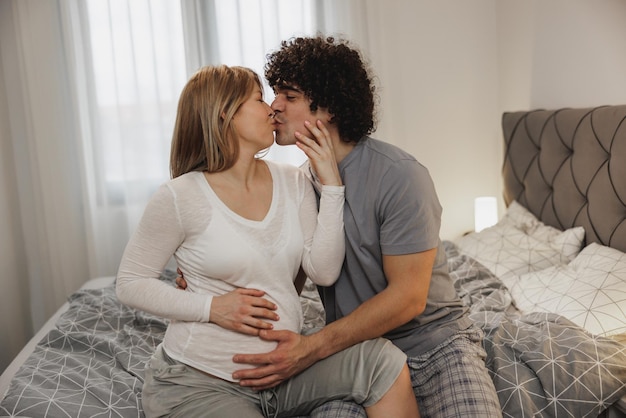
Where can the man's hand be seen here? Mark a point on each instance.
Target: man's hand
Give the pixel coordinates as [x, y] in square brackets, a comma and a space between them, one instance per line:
[181, 283]
[292, 355]
[241, 310]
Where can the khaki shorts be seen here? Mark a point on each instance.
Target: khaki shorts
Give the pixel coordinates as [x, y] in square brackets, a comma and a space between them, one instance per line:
[362, 373]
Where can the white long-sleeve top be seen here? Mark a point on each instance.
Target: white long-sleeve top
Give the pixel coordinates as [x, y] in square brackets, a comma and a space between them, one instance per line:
[219, 251]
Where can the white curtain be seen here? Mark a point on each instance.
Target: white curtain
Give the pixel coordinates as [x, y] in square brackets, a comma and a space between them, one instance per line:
[242, 32]
[91, 88]
[140, 55]
[133, 56]
[50, 241]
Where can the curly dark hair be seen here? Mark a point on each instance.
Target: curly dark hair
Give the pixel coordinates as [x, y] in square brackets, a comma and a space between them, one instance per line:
[333, 75]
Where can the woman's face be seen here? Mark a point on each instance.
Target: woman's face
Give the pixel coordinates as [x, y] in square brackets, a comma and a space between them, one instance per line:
[254, 123]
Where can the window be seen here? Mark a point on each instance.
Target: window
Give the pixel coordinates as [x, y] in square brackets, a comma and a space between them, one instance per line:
[138, 57]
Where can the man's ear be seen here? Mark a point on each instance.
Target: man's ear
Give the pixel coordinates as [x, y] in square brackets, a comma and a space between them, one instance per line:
[326, 116]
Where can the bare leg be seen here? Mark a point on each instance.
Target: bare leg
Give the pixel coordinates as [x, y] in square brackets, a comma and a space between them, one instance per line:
[398, 402]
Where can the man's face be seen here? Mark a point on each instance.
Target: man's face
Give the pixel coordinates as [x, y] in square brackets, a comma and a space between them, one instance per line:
[292, 109]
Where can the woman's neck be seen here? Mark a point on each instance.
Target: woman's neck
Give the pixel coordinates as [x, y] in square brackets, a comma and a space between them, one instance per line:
[246, 189]
[244, 173]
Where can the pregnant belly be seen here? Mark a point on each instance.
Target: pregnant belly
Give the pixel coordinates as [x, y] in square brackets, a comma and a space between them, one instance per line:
[210, 348]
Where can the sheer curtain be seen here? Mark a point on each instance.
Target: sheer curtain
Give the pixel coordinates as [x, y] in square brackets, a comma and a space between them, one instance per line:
[134, 60]
[242, 32]
[140, 54]
[91, 93]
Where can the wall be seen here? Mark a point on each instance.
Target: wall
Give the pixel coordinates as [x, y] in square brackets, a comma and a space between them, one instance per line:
[437, 64]
[561, 53]
[448, 69]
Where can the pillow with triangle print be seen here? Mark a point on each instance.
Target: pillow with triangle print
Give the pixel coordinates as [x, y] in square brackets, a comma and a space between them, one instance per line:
[520, 243]
[590, 291]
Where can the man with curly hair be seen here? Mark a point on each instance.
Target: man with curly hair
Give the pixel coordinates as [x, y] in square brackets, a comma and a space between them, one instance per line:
[394, 282]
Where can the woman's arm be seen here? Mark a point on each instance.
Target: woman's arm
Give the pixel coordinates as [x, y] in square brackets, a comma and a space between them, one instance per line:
[151, 246]
[324, 246]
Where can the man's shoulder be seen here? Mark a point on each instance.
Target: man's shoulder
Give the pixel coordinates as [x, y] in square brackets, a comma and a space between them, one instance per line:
[381, 149]
[391, 164]
[384, 157]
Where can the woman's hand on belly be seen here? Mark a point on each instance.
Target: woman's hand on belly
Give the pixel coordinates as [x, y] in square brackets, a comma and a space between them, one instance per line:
[244, 311]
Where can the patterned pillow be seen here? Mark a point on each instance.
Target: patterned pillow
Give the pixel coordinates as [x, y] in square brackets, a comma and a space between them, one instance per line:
[519, 243]
[590, 291]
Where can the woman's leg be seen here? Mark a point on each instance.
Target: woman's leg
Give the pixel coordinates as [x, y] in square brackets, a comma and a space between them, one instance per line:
[399, 401]
[173, 389]
[366, 373]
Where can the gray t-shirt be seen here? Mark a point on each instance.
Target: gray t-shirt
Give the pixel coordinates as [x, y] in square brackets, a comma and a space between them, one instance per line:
[391, 207]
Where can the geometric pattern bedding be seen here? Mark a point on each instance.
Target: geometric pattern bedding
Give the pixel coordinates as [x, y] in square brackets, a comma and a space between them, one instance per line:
[92, 364]
[519, 243]
[590, 290]
[542, 364]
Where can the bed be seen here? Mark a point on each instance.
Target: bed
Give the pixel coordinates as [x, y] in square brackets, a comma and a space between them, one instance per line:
[547, 284]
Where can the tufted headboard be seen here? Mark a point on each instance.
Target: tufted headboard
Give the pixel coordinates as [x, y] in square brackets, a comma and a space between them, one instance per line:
[568, 167]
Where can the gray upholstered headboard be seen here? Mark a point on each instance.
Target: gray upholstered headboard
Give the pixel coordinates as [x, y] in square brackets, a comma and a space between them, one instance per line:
[568, 167]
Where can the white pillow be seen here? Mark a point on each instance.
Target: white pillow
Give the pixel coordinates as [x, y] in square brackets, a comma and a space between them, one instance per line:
[590, 291]
[519, 243]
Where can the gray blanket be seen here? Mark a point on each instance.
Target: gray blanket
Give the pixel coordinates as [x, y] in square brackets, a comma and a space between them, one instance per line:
[542, 364]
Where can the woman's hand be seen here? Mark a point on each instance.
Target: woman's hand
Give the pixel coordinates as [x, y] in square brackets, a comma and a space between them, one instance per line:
[241, 310]
[321, 153]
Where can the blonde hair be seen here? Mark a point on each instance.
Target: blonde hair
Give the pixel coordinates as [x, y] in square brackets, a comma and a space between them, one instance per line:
[203, 133]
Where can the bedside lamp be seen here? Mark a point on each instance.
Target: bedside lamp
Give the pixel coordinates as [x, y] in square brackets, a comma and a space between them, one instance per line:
[485, 212]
